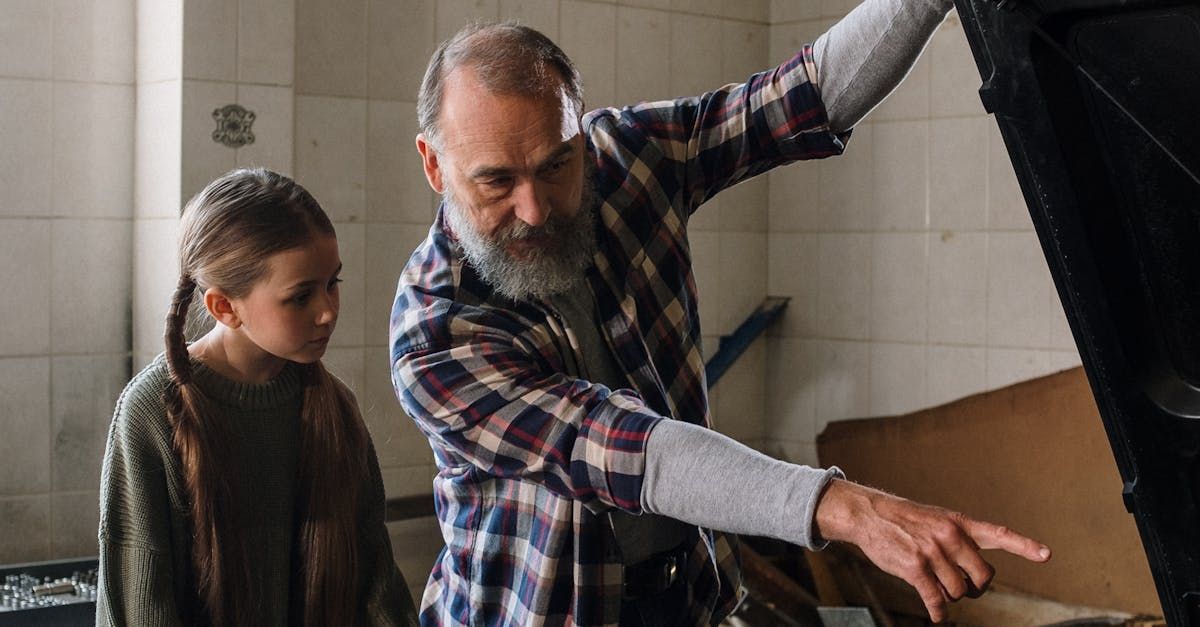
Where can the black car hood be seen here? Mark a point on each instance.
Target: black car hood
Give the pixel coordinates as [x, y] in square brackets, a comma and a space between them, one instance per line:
[1097, 101]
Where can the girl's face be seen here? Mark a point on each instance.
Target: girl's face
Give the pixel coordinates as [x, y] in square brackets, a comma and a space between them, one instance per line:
[291, 312]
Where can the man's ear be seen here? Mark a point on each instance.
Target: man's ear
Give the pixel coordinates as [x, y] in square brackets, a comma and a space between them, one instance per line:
[220, 307]
[429, 160]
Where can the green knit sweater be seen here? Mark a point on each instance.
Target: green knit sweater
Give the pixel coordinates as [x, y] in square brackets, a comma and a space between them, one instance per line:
[145, 562]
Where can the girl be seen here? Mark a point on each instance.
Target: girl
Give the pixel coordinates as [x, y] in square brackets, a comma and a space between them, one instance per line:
[240, 486]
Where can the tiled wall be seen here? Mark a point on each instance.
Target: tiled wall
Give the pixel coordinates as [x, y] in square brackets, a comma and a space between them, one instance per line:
[66, 202]
[915, 273]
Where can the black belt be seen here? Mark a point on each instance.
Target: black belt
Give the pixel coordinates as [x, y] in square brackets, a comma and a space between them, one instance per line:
[655, 574]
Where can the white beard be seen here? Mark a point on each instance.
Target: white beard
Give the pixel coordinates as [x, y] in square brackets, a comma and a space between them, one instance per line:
[551, 269]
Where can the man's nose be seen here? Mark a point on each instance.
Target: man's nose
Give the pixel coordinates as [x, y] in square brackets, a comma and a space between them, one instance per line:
[530, 204]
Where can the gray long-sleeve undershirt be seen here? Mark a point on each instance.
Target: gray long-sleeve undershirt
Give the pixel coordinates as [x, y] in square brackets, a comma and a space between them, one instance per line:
[708, 479]
[863, 57]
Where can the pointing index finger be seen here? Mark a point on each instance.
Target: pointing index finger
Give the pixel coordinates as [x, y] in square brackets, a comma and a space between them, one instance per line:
[990, 536]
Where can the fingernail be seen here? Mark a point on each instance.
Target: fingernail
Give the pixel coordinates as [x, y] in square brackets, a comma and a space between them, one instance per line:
[1044, 552]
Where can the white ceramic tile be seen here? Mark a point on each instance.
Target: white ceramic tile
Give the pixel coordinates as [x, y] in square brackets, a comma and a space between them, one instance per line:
[331, 47]
[1006, 366]
[955, 79]
[347, 364]
[588, 33]
[791, 389]
[836, 9]
[910, 99]
[843, 285]
[541, 15]
[794, 10]
[83, 393]
[74, 521]
[1018, 292]
[958, 173]
[794, 451]
[955, 372]
[1057, 361]
[26, 39]
[899, 303]
[25, 153]
[25, 449]
[266, 43]
[702, 7]
[455, 14]
[210, 40]
[745, 50]
[649, 4]
[744, 206]
[273, 128]
[91, 289]
[93, 150]
[1005, 205]
[794, 197]
[157, 150]
[743, 277]
[353, 249]
[706, 264]
[155, 275]
[94, 40]
[958, 288]
[398, 442]
[203, 158]
[692, 42]
[841, 371]
[408, 480]
[901, 175]
[331, 153]
[400, 41]
[846, 186]
[159, 41]
[388, 248]
[643, 55]
[27, 529]
[25, 248]
[753, 10]
[742, 401]
[787, 39]
[706, 217]
[396, 187]
[897, 378]
[792, 271]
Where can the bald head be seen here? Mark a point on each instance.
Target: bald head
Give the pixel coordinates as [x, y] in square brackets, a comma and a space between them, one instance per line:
[507, 59]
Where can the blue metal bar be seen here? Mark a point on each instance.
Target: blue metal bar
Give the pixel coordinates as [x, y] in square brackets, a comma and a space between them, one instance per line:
[733, 345]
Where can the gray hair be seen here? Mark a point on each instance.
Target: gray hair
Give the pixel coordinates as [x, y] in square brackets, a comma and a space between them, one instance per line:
[508, 58]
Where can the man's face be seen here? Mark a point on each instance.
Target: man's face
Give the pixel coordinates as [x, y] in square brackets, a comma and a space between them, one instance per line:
[511, 171]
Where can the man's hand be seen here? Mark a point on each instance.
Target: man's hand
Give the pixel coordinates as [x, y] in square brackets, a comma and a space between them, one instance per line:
[935, 550]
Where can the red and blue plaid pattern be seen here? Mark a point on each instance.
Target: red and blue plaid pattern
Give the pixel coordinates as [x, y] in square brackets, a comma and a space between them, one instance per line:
[530, 459]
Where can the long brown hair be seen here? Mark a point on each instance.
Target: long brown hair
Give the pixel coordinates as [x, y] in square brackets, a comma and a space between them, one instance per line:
[229, 231]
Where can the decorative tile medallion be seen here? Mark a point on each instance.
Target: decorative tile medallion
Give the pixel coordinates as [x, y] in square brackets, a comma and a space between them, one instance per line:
[233, 126]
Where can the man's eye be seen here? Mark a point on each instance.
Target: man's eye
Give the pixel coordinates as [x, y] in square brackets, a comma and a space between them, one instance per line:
[499, 182]
[556, 166]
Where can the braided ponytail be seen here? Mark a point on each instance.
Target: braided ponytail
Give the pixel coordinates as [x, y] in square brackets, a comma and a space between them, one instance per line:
[197, 443]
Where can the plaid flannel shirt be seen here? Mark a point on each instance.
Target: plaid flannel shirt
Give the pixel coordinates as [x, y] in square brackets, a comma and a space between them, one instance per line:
[529, 459]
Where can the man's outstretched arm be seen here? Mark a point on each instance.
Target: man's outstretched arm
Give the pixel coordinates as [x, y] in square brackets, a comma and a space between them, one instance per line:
[704, 478]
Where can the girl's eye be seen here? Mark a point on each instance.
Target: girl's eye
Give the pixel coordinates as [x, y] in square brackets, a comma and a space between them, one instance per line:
[302, 298]
[333, 285]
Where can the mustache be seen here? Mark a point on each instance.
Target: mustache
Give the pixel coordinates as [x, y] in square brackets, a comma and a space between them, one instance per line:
[519, 230]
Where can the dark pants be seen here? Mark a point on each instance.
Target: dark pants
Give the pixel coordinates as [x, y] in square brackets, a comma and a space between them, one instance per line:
[659, 608]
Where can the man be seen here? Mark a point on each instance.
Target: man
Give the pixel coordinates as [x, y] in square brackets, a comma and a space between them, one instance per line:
[545, 338]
